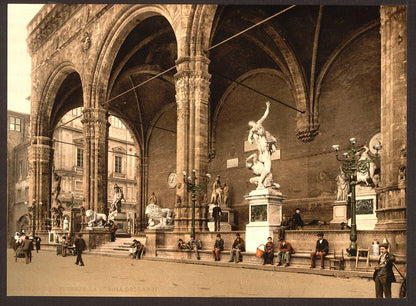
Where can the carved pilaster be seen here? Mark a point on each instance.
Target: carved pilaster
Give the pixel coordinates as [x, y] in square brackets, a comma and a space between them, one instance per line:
[40, 163]
[95, 127]
[391, 212]
[192, 83]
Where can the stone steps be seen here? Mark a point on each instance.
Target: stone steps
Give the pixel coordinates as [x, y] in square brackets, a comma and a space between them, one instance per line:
[118, 248]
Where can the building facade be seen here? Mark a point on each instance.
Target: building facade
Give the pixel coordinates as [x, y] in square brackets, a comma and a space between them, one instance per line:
[68, 163]
[186, 92]
[18, 141]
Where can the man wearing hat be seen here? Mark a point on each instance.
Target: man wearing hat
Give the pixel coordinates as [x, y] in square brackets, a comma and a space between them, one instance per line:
[383, 274]
[218, 247]
[216, 214]
[321, 250]
[297, 220]
[238, 246]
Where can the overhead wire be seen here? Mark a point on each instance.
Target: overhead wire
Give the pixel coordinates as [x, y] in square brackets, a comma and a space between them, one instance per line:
[251, 27]
[109, 151]
[256, 91]
[212, 47]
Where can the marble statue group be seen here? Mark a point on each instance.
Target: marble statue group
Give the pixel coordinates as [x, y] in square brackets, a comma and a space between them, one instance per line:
[220, 193]
[260, 163]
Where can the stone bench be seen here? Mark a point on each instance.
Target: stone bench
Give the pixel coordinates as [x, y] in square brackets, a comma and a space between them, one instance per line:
[301, 258]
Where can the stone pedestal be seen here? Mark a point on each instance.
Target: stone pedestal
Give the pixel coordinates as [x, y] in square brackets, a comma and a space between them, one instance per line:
[265, 216]
[227, 219]
[94, 237]
[365, 208]
[339, 212]
[122, 223]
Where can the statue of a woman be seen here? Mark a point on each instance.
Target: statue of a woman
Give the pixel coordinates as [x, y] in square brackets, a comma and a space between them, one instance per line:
[343, 186]
[266, 144]
[118, 196]
[264, 140]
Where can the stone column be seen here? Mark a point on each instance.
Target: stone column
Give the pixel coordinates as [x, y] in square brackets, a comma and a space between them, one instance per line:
[391, 212]
[192, 94]
[40, 164]
[96, 127]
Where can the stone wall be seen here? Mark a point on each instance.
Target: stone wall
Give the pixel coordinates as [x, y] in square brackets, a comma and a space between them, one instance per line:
[349, 107]
[162, 158]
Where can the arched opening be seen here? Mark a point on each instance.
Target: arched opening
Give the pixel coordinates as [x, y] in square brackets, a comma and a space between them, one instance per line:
[68, 170]
[146, 106]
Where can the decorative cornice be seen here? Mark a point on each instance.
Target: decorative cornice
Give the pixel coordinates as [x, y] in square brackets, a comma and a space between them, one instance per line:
[57, 17]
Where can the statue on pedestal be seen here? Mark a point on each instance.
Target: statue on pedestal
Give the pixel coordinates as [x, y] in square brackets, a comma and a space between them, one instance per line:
[226, 197]
[159, 218]
[116, 204]
[56, 188]
[266, 144]
[343, 186]
[95, 219]
[65, 226]
[217, 192]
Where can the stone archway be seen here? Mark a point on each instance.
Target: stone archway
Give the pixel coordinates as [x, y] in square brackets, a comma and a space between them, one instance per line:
[41, 148]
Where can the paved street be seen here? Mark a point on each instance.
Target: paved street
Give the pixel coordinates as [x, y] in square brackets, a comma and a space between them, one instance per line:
[52, 275]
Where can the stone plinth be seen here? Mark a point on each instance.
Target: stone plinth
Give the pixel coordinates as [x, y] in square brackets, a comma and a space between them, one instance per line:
[94, 237]
[339, 210]
[365, 208]
[265, 216]
[122, 223]
[227, 219]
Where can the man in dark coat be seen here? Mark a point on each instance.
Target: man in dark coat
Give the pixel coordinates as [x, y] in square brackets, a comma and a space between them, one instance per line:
[27, 249]
[268, 252]
[218, 247]
[321, 250]
[113, 229]
[284, 225]
[216, 213]
[238, 246]
[79, 247]
[37, 243]
[383, 275]
[297, 220]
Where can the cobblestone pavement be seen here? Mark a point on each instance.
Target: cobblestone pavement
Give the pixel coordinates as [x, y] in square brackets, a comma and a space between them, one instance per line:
[52, 275]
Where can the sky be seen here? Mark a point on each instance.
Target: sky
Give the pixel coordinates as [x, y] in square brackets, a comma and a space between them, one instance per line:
[18, 58]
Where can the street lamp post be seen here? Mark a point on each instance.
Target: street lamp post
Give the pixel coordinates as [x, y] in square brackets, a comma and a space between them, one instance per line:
[350, 165]
[191, 186]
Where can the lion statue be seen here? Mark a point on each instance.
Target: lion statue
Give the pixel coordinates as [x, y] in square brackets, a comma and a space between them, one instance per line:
[95, 219]
[159, 218]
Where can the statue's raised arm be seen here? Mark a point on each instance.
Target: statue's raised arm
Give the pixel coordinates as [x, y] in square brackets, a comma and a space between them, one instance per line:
[266, 113]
